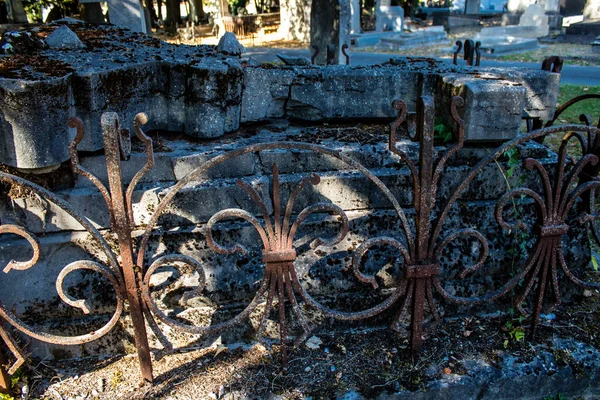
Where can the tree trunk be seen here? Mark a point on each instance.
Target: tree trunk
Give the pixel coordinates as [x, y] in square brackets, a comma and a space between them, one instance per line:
[159, 3]
[92, 12]
[150, 6]
[173, 15]
[16, 12]
[198, 6]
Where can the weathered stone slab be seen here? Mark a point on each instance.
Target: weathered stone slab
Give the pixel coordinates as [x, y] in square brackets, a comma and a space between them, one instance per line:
[266, 92]
[213, 98]
[493, 106]
[340, 92]
[429, 36]
[33, 118]
[541, 87]
[237, 167]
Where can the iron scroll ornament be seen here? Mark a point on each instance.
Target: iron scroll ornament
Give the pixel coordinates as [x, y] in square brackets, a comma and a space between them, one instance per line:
[121, 275]
[277, 234]
[111, 272]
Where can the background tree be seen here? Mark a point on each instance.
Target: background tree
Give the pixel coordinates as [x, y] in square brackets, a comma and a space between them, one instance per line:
[197, 11]
[173, 15]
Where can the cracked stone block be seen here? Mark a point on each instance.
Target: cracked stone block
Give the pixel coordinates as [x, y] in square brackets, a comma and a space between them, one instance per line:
[213, 98]
[338, 92]
[126, 91]
[492, 110]
[541, 87]
[33, 122]
[266, 93]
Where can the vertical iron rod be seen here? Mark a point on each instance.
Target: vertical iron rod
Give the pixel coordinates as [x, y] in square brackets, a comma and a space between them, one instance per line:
[110, 132]
[416, 331]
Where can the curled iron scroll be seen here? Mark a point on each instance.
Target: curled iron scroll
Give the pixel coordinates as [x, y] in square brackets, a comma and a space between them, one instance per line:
[112, 273]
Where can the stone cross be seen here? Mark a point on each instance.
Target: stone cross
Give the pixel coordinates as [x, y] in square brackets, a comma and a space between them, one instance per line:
[330, 25]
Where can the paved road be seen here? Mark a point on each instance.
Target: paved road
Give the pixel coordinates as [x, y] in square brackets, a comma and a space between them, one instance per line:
[571, 74]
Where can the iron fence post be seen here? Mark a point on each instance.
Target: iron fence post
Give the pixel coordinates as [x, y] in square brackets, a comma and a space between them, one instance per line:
[131, 272]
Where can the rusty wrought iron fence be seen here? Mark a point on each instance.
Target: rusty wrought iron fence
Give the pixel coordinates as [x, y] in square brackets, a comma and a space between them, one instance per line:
[573, 182]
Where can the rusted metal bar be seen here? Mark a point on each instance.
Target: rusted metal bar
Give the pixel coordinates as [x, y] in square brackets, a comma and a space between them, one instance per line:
[344, 48]
[459, 46]
[110, 132]
[5, 383]
[314, 56]
[469, 52]
[553, 64]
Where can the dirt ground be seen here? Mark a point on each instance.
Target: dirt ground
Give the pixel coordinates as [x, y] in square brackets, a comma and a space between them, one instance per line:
[369, 362]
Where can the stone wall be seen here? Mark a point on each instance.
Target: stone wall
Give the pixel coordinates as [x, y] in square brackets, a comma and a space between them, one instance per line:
[205, 94]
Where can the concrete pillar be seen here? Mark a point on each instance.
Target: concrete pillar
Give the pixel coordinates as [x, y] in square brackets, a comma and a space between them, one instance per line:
[330, 25]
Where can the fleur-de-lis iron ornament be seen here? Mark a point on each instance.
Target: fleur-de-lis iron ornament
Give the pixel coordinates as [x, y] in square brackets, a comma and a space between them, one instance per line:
[559, 197]
[421, 255]
[278, 253]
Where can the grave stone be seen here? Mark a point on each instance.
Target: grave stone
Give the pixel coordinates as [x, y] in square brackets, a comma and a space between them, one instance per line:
[596, 46]
[126, 13]
[472, 7]
[514, 6]
[330, 25]
[389, 18]
[535, 15]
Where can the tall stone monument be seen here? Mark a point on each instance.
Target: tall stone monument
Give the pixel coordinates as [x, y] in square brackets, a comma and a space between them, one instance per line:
[330, 25]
